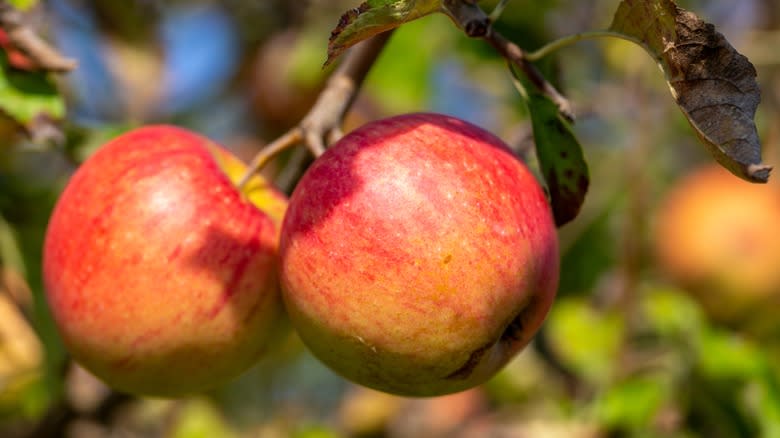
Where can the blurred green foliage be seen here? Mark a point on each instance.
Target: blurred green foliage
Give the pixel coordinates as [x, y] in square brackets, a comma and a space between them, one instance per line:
[27, 96]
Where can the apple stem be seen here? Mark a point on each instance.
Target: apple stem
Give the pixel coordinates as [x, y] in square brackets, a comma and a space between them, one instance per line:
[322, 125]
[289, 139]
[569, 40]
[30, 43]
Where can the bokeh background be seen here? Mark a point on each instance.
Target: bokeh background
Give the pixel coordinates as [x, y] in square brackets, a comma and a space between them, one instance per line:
[642, 341]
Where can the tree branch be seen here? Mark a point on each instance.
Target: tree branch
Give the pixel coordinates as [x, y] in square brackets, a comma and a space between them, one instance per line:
[28, 42]
[322, 125]
[476, 24]
[516, 55]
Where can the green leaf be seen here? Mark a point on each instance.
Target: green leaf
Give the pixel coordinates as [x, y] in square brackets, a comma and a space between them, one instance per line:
[10, 252]
[374, 17]
[200, 419]
[713, 84]
[586, 340]
[763, 401]
[23, 5]
[27, 96]
[725, 355]
[672, 312]
[590, 255]
[315, 432]
[633, 403]
[405, 86]
[560, 158]
[82, 141]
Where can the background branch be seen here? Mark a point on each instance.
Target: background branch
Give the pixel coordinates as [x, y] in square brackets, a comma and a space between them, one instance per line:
[322, 125]
[30, 43]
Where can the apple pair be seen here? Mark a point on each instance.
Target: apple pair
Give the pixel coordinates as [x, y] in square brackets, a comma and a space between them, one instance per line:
[416, 256]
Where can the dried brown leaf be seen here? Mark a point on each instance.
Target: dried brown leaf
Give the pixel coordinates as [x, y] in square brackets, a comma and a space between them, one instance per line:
[714, 85]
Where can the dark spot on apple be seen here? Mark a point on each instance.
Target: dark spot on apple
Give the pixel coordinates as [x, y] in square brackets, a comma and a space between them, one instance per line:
[564, 154]
[124, 364]
[514, 331]
[447, 259]
[467, 368]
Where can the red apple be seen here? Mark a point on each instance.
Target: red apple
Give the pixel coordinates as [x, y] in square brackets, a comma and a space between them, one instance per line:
[718, 237]
[160, 273]
[418, 255]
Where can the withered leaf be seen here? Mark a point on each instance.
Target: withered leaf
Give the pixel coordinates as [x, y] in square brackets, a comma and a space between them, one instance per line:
[374, 17]
[714, 85]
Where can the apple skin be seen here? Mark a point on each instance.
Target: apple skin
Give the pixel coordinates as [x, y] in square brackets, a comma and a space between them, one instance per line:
[160, 274]
[418, 255]
[718, 237]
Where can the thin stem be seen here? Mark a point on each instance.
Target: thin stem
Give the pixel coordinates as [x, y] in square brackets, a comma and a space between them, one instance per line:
[27, 41]
[518, 57]
[498, 10]
[289, 139]
[573, 39]
[476, 24]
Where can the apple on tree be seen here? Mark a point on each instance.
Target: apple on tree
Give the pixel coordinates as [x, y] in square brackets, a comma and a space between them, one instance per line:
[418, 255]
[160, 273]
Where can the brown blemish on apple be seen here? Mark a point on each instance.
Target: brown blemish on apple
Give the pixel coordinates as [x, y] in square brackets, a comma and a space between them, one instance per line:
[471, 363]
[514, 331]
[123, 364]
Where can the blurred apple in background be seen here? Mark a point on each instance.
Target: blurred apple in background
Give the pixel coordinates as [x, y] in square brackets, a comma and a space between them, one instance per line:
[285, 85]
[719, 238]
[160, 273]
